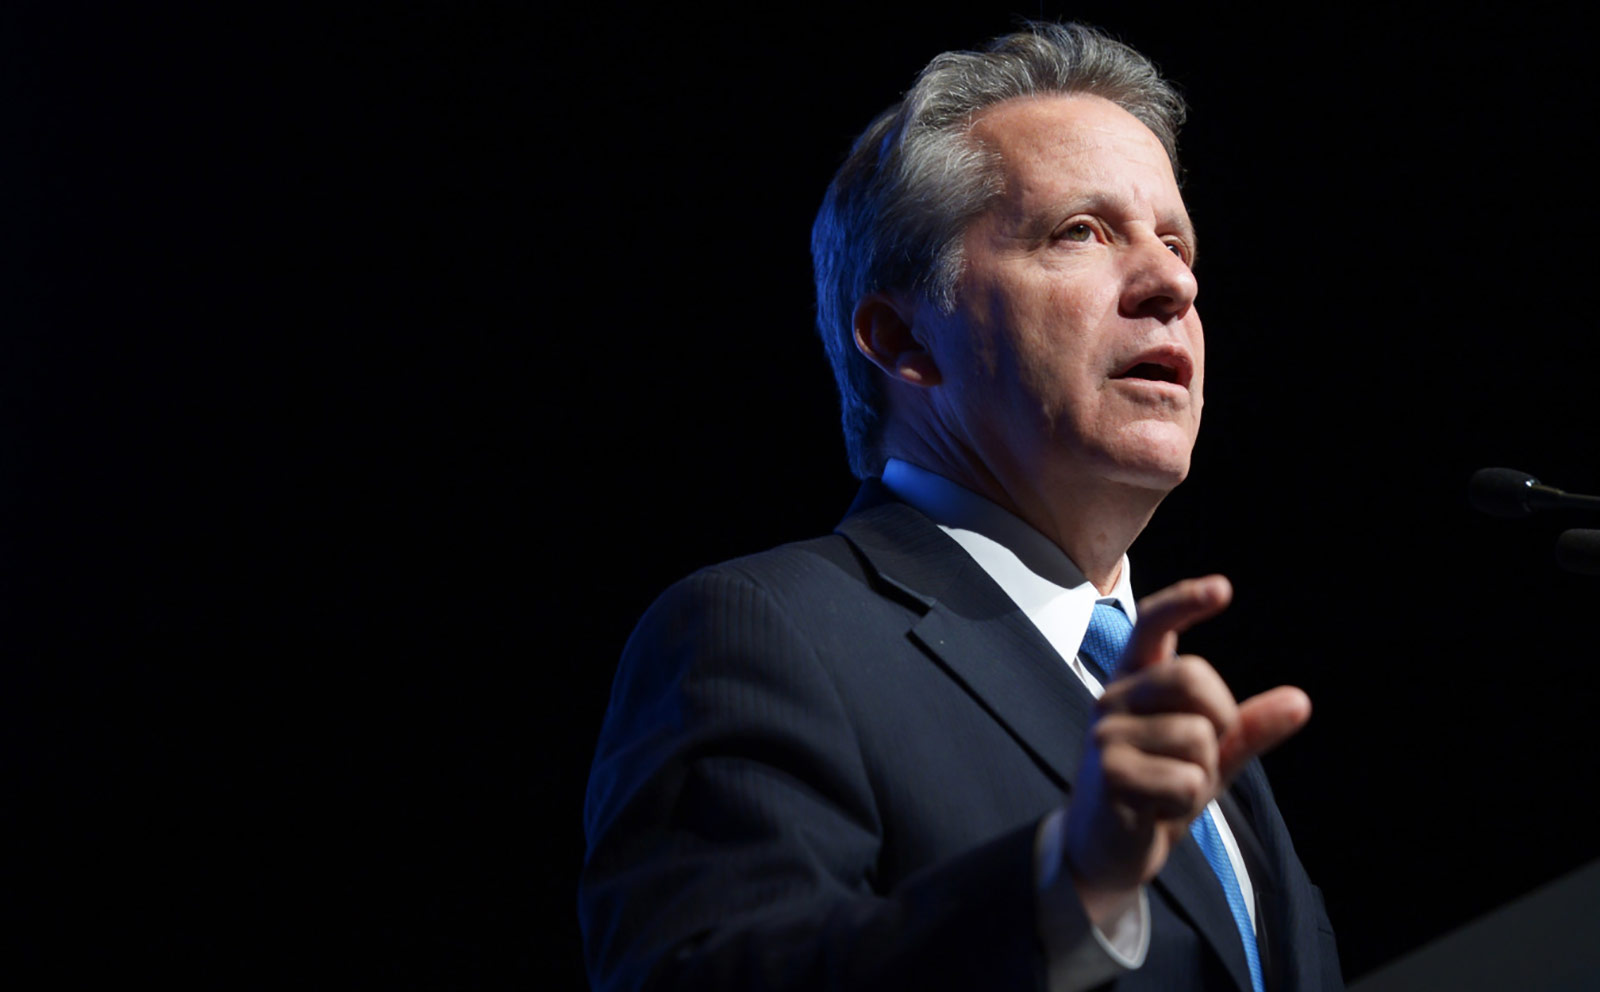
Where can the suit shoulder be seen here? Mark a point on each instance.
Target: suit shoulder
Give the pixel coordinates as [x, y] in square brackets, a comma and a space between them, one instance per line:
[767, 610]
[800, 564]
[790, 573]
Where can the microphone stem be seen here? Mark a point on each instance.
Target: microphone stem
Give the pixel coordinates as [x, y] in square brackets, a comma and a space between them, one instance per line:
[1545, 498]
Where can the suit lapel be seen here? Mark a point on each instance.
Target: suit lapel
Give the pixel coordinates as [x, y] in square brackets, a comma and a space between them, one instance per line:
[975, 632]
[983, 640]
[1018, 677]
[1286, 894]
[1188, 879]
[1262, 878]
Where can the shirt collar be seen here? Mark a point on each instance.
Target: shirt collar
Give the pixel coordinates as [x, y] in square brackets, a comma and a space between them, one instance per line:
[1036, 574]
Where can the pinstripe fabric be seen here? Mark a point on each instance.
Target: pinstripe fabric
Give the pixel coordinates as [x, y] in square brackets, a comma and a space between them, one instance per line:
[823, 767]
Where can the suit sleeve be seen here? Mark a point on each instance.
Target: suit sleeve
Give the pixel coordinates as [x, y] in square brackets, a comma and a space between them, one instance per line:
[733, 829]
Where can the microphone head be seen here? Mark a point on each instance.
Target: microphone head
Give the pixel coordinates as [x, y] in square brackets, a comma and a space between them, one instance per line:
[1501, 492]
[1579, 551]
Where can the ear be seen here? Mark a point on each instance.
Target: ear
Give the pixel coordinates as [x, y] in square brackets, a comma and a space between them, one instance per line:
[885, 332]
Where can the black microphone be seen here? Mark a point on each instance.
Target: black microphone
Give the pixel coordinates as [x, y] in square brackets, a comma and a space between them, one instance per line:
[1579, 551]
[1505, 492]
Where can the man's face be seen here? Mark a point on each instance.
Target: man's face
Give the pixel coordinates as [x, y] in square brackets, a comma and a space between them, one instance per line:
[1075, 354]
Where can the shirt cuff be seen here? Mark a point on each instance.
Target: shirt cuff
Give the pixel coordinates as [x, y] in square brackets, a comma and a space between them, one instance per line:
[1078, 955]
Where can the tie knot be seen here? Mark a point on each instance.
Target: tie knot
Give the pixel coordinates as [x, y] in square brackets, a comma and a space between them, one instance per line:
[1107, 636]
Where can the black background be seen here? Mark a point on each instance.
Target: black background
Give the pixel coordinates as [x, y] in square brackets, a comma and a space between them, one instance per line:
[365, 372]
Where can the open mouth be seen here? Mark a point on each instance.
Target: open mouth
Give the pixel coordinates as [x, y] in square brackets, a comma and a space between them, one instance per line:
[1150, 370]
[1160, 366]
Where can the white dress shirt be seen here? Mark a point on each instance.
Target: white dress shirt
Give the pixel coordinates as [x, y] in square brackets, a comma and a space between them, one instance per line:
[1054, 595]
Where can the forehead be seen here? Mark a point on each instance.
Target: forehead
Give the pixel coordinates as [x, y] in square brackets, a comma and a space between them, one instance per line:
[1073, 145]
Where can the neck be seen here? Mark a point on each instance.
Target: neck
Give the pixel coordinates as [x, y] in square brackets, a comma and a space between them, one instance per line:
[1092, 520]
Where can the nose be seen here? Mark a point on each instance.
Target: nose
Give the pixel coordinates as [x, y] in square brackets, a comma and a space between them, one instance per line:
[1157, 283]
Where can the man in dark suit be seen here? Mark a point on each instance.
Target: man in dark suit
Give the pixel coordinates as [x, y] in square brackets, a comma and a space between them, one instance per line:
[926, 751]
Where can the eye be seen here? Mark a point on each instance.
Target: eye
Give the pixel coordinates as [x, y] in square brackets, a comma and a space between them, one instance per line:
[1078, 232]
[1179, 249]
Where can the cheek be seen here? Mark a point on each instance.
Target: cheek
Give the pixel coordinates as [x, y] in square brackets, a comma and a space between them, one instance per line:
[988, 335]
[1070, 304]
[1040, 332]
[1057, 320]
[1198, 347]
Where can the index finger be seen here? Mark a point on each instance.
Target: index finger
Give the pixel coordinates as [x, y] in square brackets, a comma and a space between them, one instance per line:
[1164, 615]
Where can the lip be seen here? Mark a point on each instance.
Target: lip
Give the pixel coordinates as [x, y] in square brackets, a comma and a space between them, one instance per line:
[1168, 364]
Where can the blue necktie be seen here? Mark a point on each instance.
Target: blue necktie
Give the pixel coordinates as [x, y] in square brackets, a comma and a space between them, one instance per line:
[1103, 644]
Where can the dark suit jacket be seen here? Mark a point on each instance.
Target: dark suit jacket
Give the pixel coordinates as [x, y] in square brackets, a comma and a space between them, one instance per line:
[824, 767]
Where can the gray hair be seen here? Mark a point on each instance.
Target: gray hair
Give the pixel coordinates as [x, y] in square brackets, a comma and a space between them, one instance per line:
[894, 216]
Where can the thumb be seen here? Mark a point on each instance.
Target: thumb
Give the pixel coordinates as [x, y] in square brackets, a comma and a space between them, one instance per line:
[1265, 721]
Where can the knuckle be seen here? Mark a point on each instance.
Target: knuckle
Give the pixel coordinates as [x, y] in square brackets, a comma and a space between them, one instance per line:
[1192, 786]
[1105, 732]
[1193, 673]
[1117, 766]
[1115, 698]
[1196, 736]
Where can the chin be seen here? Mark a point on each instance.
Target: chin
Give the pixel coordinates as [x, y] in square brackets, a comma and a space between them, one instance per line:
[1156, 478]
[1158, 463]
